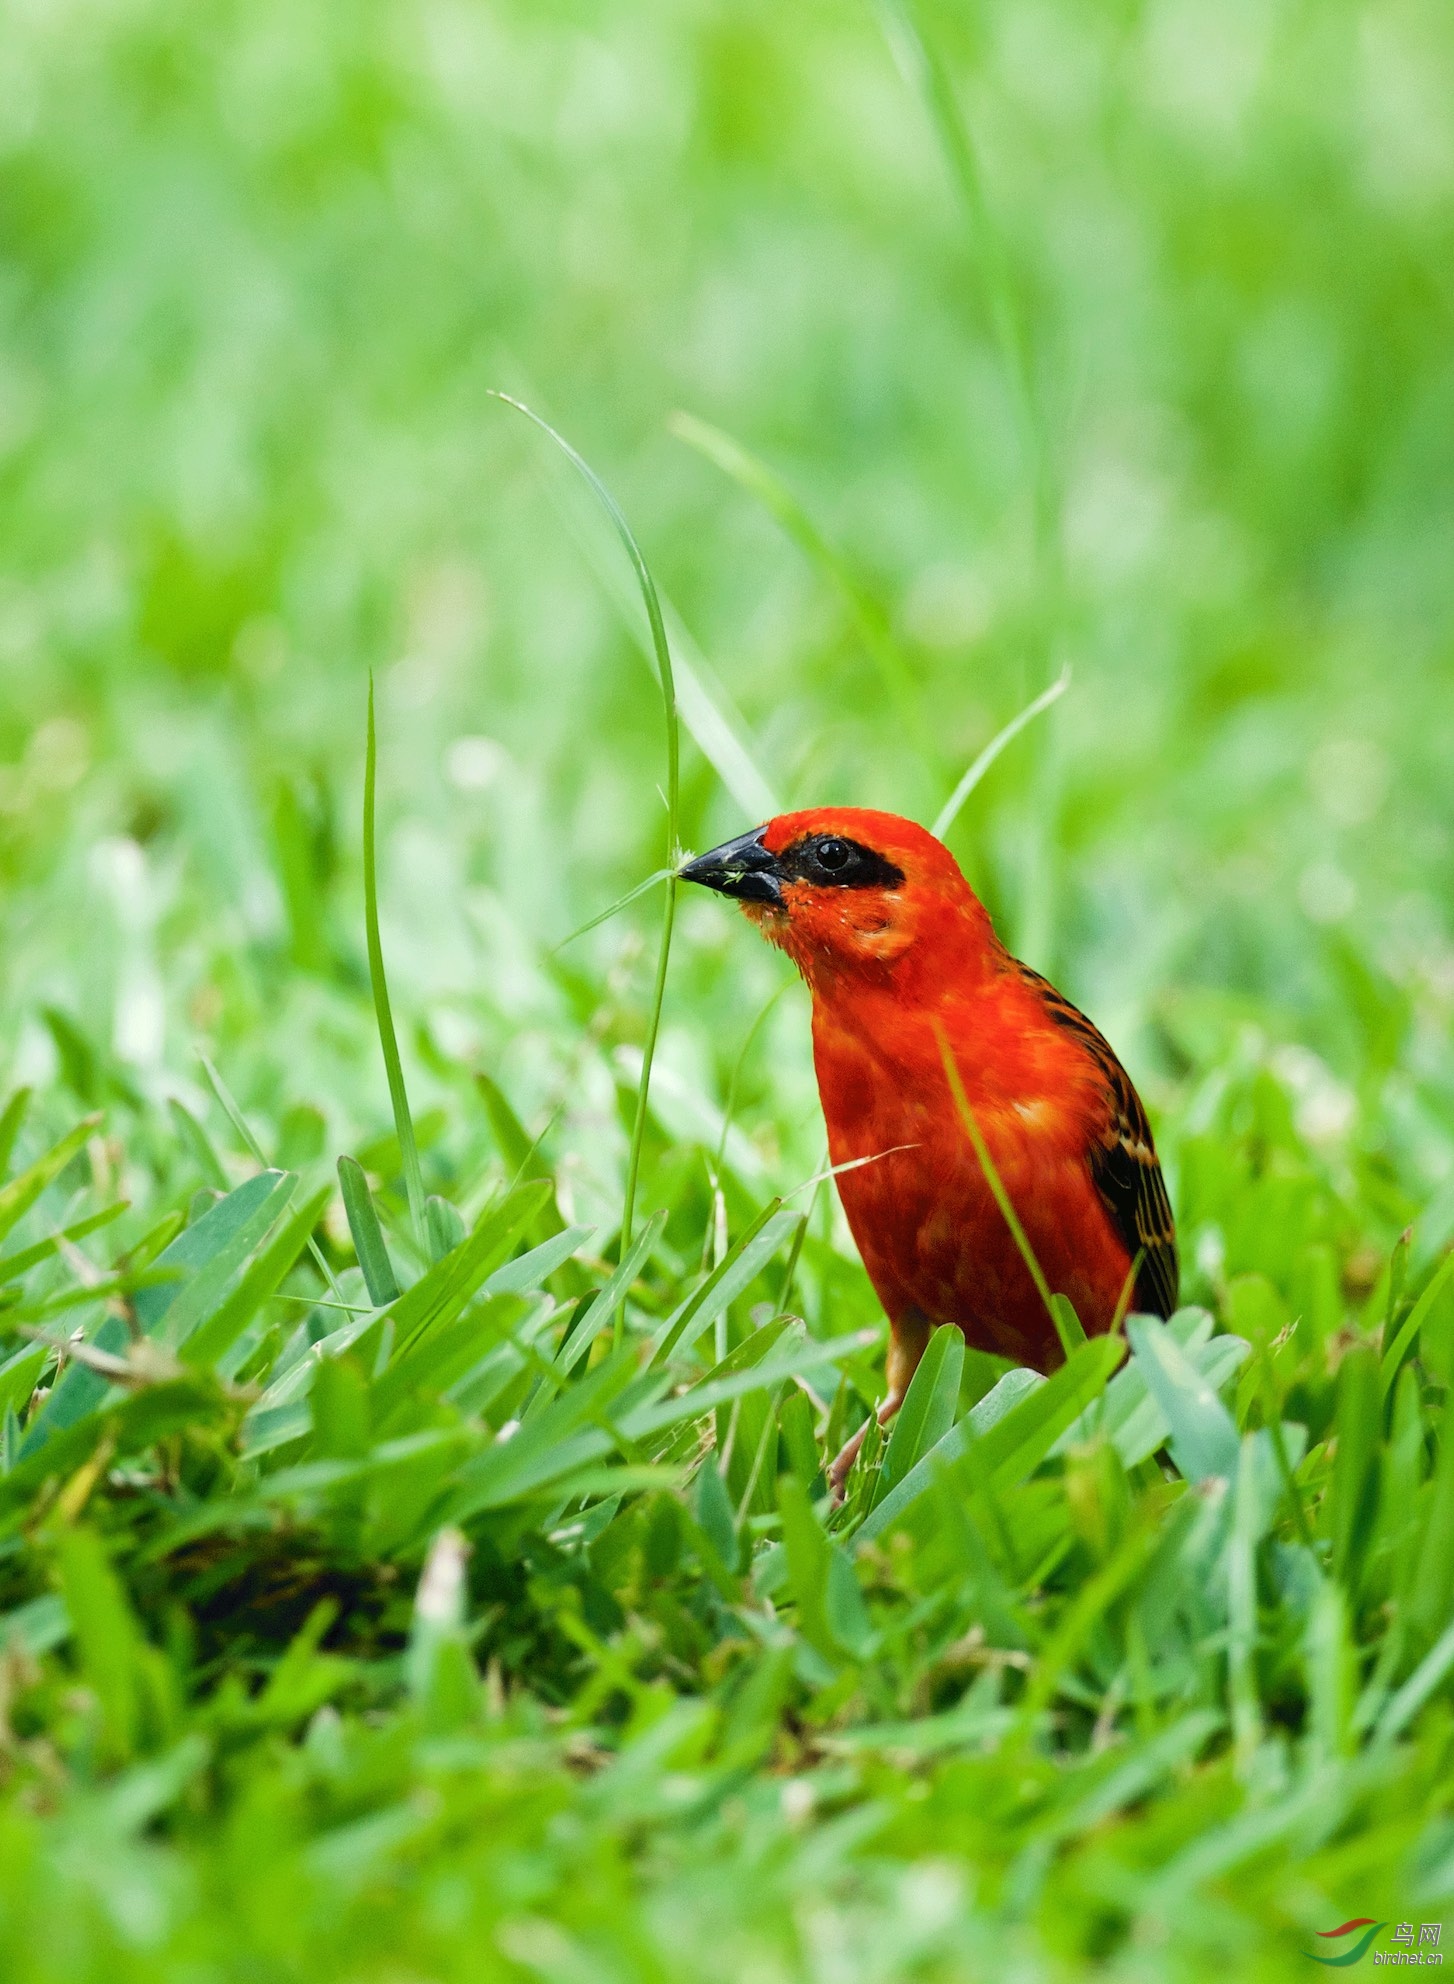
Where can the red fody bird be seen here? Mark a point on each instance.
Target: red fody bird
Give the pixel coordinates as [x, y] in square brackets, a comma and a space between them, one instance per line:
[905, 968]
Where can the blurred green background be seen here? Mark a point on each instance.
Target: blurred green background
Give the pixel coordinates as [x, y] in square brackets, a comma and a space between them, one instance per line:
[260, 266]
[1115, 335]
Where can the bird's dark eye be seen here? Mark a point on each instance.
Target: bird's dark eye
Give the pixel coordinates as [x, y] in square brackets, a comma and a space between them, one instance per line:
[831, 861]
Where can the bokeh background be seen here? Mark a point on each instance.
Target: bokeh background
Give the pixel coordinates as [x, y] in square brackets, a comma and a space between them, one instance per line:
[1166, 394]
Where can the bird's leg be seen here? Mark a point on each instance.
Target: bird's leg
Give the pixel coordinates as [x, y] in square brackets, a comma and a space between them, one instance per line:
[842, 1466]
[907, 1339]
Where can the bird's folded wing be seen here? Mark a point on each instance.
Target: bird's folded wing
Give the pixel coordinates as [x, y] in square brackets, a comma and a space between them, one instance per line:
[1124, 1164]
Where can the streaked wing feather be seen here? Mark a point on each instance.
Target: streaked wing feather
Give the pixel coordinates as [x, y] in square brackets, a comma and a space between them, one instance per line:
[1125, 1166]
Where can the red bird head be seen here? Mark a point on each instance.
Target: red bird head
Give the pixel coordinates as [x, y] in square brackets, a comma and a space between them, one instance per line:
[849, 893]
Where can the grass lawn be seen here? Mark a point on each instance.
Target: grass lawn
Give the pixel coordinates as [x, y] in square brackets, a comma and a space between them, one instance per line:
[416, 1561]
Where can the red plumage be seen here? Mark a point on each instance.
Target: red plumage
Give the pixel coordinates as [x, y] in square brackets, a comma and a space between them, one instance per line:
[903, 962]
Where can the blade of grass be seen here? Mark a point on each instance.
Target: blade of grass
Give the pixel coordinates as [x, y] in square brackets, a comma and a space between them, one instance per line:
[1078, 1622]
[199, 1143]
[1411, 1697]
[1203, 1434]
[514, 1142]
[1242, 1607]
[673, 790]
[746, 1258]
[17, 1198]
[1007, 1435]
[530, 1270]
[1068, 1325]
[730, 1105]
[368, 1237]
[923, 69]
[799, 1356]
[795, 1252]
[10, 1121]
[1272, 1419]
[216, 1336]
[929, 1406]
[229, 1106]
[997, 1189]
[707, 712]
[1128, 1291]
[19, 1263]
[1417, 1316]
[621, 902]
[611, 1297]
[445, 1225]
[233, 1228]
[949, 812]
[388, 1040]
[769, 489]
[926, 73]
[849, 1164]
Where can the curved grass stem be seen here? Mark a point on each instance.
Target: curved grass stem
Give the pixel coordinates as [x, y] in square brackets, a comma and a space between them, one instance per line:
[950, 810]
[662, 652]
[383, 1011]
[992, 1177]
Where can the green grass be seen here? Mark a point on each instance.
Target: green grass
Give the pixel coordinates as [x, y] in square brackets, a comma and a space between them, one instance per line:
[431, 1576]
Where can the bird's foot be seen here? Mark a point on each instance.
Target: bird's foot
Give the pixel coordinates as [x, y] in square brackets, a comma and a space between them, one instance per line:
[842, 1466]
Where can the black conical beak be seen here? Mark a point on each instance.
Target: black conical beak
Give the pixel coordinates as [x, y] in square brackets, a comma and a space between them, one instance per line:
[743, 868]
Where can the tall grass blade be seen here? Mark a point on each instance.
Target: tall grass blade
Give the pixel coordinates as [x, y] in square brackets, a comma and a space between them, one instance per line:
[707, 712]
[996, 1184]
[18, 1263]
[673, 791]
[388, 1041]
[230, 1109]
[17, 1198]
[11, 1119]
[1349, 1506]
[1203, 1433]
[737, 1269]
[615, 909]
[368, 1235]
[949, 812]
[923, 69]
[1009, 1432]
[729, 1105]
[1242, 1605]
[610, 1300]
[209, 1344]
[1394, 1356]
[929, 1406]
[749, 472]
[200, 1144]
[1426, 1677]
[1068, 1325]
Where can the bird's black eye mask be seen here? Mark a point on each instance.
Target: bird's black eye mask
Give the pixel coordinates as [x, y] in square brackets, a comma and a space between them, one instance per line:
[829, 861]
[744, 868]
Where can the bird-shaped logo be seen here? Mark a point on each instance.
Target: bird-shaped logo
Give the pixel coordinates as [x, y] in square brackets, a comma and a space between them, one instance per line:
[942, 1060]
[1356, 1951]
